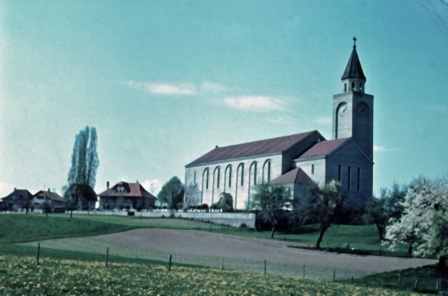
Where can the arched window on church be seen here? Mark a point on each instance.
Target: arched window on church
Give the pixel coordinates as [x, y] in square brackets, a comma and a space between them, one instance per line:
[228, 176]
[353, 85]
[217, 176]
[205, 176]
[253, 172]
[266, 171]
[345, 87]
[241, 173]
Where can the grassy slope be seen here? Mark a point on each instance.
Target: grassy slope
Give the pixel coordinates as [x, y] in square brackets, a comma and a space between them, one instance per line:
[21, 275]
[23, 228]
[16, 228]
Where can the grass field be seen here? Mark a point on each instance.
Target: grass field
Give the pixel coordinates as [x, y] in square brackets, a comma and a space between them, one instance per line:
[19, 228]
[21, 275]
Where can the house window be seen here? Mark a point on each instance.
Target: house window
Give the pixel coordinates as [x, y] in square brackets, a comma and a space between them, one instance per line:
[359, 179]
[241, 173]
[348, 178]
[339, 173]
[267, 171]
[228, 175]
[205, 178]
[253, 172]
[217, 176]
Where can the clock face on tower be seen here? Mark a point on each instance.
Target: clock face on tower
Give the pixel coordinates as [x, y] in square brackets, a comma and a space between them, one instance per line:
[362, 110]
[343, 109]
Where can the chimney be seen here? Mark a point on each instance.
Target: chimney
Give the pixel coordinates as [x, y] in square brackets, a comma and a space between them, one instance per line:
[107, 185]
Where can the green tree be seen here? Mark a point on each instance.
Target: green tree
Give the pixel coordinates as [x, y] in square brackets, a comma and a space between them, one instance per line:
[71, 204]
[271, 201]
[322, 204]
[27, 203]
[85, 160]
[225, 202]
[192, 196]
[172, 193]
[79, 196]
[46, 206]
[376, 213]
[389, 205]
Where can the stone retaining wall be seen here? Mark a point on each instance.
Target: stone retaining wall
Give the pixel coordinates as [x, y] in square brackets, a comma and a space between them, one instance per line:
[230, 219]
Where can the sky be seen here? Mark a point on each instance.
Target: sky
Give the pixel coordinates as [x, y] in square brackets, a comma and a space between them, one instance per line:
[163, 82]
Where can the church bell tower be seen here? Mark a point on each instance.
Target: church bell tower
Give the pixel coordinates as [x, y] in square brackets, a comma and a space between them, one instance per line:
[353, 108]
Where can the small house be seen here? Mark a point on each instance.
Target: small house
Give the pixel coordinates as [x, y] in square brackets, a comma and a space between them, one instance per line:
[46, 197]
[18, 200]
[128, 196]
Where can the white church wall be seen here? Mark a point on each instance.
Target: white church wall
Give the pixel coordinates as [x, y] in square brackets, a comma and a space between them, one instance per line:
[240, 193]
[314, 168]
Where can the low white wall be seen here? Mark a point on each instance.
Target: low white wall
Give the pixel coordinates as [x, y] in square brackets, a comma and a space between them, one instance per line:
[230, 219]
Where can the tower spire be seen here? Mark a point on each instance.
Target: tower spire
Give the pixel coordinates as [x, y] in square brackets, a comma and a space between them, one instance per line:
[353, 69]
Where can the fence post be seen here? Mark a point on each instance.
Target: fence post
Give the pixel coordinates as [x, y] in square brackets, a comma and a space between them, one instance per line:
[222, 263]
[304, 266]
[264, 267]
[416, 284]
[334, 275]
[169, 262]
[399, 276]
[107, 256]
[38, 253]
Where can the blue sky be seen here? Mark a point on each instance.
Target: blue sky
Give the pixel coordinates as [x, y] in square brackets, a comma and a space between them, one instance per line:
[165, 81]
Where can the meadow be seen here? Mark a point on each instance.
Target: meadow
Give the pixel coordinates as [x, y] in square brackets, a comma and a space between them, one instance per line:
[62, 271]
[21, 275]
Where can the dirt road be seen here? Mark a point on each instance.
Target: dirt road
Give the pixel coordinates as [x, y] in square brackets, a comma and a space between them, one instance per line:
[205, 244]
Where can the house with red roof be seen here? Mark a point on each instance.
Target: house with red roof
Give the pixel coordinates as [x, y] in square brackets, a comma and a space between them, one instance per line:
[55, 201]
[124, 195]
[296, 160]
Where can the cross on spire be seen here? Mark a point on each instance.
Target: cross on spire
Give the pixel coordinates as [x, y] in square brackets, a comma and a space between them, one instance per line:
[354, 41]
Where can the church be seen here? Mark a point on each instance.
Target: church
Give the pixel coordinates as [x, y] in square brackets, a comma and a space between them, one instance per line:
[296, 160]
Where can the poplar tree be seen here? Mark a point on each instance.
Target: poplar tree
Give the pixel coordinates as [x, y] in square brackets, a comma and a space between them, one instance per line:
[84, 166]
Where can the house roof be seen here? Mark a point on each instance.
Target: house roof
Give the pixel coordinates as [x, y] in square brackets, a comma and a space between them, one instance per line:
[18, 193]
[294, 176]
[353, 69]
[323, 148]
[51, 195]
[269, 146]
[131, 190]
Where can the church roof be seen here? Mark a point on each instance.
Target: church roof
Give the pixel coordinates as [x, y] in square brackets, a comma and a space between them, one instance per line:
[294, 176]
[269, 146]
[323, 148]
[353, 69]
